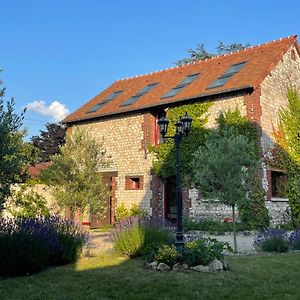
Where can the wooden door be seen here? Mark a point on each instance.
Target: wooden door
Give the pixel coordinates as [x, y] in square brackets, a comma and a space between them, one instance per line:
[108, 216]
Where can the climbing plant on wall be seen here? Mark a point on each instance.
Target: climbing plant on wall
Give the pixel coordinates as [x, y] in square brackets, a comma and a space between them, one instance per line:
[164, 165]
[253, 212]
[286, 153]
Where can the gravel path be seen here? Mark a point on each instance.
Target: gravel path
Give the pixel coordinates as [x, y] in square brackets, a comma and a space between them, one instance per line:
[97, 243]
[244, 242]
[100, 242]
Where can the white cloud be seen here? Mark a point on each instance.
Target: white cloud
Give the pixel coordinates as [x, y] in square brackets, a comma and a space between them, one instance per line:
[56, 110]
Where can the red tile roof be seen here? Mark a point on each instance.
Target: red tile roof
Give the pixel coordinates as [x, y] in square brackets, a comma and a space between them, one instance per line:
[35, 171]
[260, 61]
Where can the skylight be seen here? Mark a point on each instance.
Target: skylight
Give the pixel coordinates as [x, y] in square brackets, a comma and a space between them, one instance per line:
[234, 69]
[139, 94]
[107, 99]
[186, 81]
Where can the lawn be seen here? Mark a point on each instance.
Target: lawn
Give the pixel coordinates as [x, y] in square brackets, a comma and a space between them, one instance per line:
[273, 276]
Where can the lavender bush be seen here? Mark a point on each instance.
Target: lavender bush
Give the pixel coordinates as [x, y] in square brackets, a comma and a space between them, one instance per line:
[272, 240]
[294, 239]
[28, 245]
[137, 235]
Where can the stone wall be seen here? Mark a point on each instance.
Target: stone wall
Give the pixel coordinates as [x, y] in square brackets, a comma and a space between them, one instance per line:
[274, 93]
[222, 105]
[273, 97]
[126, 143]
[279, 212]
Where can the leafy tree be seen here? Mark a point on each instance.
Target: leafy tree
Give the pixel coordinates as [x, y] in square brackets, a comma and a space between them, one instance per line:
[75, 174]
[223, 168]
[14, 153]
[49, 141]
[200, 53]
[223, 49]
[253, 213]
[27, 203]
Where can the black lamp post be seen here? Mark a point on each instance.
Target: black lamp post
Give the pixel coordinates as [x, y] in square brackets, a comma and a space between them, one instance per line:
[183, 127]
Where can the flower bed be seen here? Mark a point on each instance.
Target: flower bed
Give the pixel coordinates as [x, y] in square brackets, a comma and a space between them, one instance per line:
[28, 245]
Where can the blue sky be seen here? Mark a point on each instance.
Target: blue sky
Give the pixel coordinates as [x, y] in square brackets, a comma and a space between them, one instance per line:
[56, 55]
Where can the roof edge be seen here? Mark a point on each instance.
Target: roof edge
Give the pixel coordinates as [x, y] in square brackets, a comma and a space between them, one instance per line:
[211, 58]
[200, 96]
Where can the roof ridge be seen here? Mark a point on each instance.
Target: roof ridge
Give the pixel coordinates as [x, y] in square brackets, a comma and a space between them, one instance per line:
[208, 59]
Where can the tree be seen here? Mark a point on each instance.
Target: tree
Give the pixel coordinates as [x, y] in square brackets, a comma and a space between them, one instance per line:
[223, 168]
[14, 153]
[200, 53]
[75, 174]
[49, 141]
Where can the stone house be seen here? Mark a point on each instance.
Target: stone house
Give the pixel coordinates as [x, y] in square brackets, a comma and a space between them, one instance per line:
[125, 115]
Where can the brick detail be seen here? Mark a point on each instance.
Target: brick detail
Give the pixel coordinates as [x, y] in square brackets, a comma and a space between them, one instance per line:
[157, 200]
[253, 108]
[149, 128]
[130, 186]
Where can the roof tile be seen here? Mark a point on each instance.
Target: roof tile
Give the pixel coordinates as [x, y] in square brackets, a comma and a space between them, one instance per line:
[260, 61]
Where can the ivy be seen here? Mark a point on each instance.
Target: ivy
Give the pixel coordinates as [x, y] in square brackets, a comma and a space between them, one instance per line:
[164, 165]
[286, 153]
[254, 214]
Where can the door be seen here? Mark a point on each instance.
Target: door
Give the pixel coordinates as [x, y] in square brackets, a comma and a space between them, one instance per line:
[170, 199]
[108, 216]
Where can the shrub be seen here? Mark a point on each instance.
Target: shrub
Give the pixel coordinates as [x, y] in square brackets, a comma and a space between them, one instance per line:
[123, 213]
[167, 254]
[27, 203]
[203, 251]
[70, 241]
[294, 239]
[28, 245]
[212, 226]
[132, 235]
[272, 240]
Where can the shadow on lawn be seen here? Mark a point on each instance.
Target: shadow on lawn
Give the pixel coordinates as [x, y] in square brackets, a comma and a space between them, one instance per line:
[111, 277]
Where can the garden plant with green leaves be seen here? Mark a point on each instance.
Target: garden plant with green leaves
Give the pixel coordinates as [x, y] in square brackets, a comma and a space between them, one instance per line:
[286, 153]
[223, 168]
[75, 174]
[15, 154]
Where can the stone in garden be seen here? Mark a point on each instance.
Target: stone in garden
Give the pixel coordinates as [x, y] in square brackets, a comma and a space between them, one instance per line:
[216, 265]
[152, 266]
[225, 266]
[180, 267]
[201, 268]
[163, 267]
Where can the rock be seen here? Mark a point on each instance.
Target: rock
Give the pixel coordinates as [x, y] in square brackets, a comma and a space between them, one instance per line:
[225, 266]
[180, 267]
[163, 267]
[216, 265]
[201, 268]
[152, 266]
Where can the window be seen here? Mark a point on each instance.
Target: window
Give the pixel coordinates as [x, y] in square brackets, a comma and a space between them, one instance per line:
[107, 99]
[139, 94]
[133, 182]
[278, 184]
[220, 81]
[186, 81]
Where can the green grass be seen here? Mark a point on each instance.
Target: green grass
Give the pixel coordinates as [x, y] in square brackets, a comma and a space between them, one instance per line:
[260, 277]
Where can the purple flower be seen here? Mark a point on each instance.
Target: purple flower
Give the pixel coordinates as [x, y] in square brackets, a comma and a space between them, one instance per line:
[269, 234]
